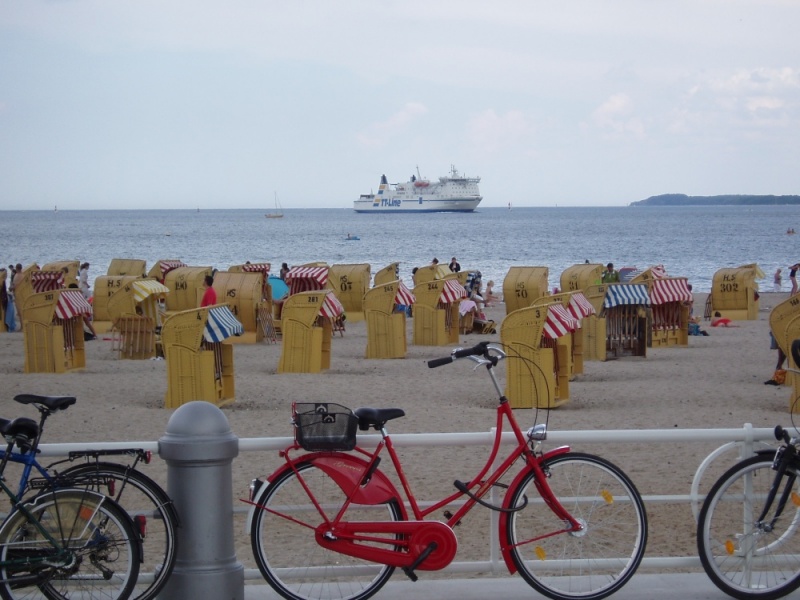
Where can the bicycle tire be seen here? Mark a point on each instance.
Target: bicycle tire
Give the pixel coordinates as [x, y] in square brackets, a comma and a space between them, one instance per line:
[590, 564]
[97, 532]
[742, 559]
[287, 553]
[137, 494]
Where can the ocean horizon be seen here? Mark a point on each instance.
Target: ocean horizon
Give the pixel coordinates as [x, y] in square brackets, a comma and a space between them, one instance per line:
[692, 242]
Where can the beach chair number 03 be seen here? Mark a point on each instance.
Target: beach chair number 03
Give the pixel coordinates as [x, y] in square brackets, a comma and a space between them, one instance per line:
[330, 524]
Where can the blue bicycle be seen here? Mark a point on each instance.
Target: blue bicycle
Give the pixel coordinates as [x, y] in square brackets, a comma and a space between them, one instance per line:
[63, 542]
[151, 511]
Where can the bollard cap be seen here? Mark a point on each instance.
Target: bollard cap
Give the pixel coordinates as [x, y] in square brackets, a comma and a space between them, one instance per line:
[198, 431]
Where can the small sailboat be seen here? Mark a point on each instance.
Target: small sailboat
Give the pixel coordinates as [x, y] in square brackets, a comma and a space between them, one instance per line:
[278, 212]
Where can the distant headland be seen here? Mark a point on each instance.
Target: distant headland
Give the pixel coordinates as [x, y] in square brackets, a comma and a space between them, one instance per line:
[726, 200]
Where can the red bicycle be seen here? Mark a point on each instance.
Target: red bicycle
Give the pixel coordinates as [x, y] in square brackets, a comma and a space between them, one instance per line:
[329, 524]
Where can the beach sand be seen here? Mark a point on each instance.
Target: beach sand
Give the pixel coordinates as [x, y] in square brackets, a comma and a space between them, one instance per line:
[717, 382]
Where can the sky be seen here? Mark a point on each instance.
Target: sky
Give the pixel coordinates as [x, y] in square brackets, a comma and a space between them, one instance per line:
[206, 104]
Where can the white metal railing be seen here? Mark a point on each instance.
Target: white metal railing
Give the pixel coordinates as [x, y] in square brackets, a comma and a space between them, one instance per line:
[746, 439]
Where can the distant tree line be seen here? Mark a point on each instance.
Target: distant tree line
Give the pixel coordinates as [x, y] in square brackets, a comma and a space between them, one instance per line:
[724, 200]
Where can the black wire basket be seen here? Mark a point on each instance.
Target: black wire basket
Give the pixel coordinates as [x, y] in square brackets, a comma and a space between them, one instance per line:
[321, 426]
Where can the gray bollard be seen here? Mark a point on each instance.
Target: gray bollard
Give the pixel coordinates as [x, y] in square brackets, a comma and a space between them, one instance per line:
[199, 448]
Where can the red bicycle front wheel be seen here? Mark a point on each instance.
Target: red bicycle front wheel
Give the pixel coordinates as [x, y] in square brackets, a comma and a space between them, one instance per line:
[594, 562]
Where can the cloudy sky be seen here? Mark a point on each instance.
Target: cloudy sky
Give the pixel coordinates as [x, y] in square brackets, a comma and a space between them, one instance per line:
[202, 103]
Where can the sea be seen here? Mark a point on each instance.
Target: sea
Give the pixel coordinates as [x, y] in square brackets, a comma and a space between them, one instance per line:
[692, 242]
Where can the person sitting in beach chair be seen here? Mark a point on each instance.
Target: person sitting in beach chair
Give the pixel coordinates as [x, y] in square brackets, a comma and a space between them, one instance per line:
[489, 296]
[481, 323]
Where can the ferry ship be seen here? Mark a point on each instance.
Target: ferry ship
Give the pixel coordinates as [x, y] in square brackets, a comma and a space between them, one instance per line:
[453, 193]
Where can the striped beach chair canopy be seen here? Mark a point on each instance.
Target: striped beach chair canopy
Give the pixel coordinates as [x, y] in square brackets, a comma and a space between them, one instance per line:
[668, 290]
[618, 294]
[71, 303]
[257, 268]
[452, 291]
[168, 265]
[47, 281]
[579, 306]
[331, 307]
[144, 288]
[404, 296]
[559, 322]
[306, 279]
[221, 324]
[659, 271]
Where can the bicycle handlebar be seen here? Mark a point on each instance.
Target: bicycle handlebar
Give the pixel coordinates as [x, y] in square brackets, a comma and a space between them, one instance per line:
[480, 349]
[438, 362]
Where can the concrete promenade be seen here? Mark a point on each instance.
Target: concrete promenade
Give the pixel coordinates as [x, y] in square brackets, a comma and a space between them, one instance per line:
[683, 586]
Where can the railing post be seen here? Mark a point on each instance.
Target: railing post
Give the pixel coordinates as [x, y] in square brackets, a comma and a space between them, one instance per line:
[199, 448]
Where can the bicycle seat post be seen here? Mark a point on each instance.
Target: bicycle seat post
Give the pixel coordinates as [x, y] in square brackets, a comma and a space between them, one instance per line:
[45, 412]
[4, 462]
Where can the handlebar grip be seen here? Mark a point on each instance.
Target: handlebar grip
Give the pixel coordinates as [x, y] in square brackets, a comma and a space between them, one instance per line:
[439, 362]
[478, 349]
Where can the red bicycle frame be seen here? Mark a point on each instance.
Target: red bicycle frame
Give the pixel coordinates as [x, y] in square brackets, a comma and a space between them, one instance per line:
[363, 483]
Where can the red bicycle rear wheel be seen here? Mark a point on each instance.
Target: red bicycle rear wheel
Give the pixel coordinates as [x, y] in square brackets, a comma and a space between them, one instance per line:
[285, 548]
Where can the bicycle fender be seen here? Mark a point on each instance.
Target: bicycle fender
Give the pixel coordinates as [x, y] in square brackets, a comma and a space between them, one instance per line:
[505, 517]
[89, 469]
[346, 470]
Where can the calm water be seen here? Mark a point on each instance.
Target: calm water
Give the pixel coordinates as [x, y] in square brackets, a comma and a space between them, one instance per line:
[691, 242]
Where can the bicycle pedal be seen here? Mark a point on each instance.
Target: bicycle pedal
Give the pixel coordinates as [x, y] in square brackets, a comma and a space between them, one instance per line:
[410, 573]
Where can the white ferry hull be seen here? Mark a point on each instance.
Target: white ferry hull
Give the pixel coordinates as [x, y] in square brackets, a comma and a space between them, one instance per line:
[454, 193]
[396, 205]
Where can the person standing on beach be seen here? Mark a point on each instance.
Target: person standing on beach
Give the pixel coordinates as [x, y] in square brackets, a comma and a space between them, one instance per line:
[17, 281]
[210, 295]
[11, 311]
[793, 277]
[777, 281]
[284, 271]
[83, 280]
[610, 275]
[454, 266]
